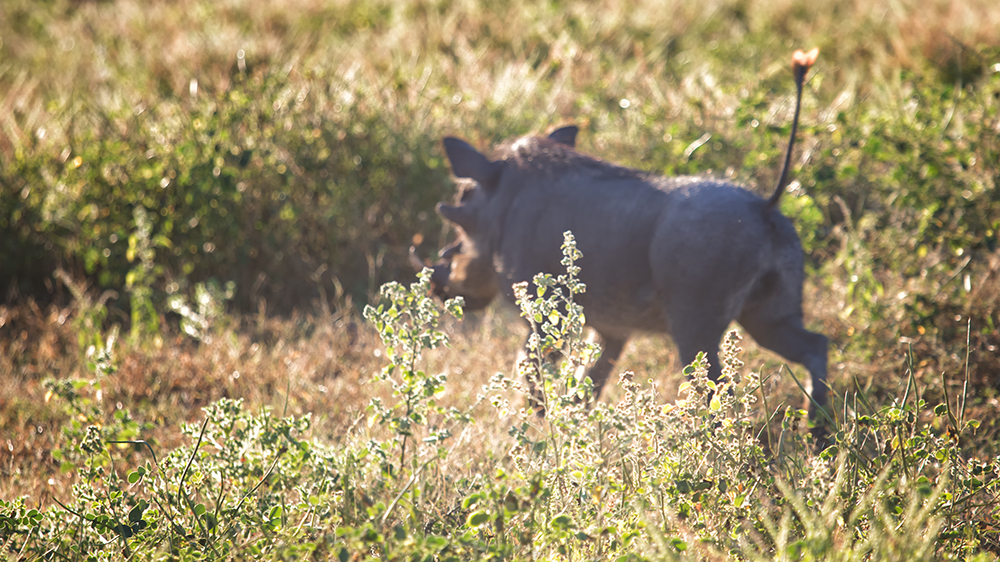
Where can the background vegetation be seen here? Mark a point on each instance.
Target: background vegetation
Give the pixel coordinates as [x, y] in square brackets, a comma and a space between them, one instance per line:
[197, 198]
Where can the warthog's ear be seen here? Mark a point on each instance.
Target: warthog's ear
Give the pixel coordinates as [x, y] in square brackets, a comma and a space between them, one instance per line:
[467, 162]
[457, 215]
[565, 135]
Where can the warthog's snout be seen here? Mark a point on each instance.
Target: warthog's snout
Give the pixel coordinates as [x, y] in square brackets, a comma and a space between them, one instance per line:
[439, 273]
[466, 276]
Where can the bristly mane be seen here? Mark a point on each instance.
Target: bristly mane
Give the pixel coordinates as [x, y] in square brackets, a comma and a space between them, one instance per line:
[550, 159]
[546, 156]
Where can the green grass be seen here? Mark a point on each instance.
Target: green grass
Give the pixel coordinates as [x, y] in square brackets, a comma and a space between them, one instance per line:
[151, 153]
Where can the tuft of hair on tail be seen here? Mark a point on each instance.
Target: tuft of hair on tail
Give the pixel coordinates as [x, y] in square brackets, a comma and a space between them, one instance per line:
[801, 63]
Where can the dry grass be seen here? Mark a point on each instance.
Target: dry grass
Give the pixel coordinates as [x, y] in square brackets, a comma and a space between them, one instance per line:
[299, 365]
[319, 365]
[306, 364]
[514, 56]
[480, 72]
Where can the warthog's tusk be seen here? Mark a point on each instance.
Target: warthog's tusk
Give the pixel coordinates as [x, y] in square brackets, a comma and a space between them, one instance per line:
[415, 260]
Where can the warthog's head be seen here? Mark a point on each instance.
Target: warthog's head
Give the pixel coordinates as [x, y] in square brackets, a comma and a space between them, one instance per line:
[466, 267]
[462, 271]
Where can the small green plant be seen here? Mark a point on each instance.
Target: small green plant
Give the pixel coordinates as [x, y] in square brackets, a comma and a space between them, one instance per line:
[407, 321]
[205, 317]
[232, 488]
[556, 322]
[88, 320]
[88, 415]
[139, 280]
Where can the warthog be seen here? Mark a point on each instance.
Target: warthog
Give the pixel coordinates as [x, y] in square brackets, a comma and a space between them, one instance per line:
[678, 255]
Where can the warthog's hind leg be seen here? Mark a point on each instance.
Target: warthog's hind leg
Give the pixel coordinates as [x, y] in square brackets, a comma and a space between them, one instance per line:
[788, 338]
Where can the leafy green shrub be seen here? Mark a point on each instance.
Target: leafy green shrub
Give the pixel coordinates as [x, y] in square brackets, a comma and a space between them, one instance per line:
[640, 479]
[407, 320]
[254, 182]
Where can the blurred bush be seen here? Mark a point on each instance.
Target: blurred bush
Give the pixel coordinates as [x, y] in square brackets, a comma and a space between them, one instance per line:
[279, 188]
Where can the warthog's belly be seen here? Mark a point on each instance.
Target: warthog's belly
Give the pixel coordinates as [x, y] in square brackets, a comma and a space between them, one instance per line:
[622, 312]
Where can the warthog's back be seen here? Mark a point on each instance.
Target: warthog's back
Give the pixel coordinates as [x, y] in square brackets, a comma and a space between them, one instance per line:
[642, 237]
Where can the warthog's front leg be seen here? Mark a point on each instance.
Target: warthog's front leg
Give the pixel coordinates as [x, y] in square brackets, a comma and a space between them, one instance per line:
[788, 338]
[611, 350]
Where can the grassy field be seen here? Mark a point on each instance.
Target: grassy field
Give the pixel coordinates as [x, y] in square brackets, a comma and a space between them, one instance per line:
[198, 199]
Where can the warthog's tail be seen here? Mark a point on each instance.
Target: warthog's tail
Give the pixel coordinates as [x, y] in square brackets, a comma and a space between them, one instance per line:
[801, 62]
